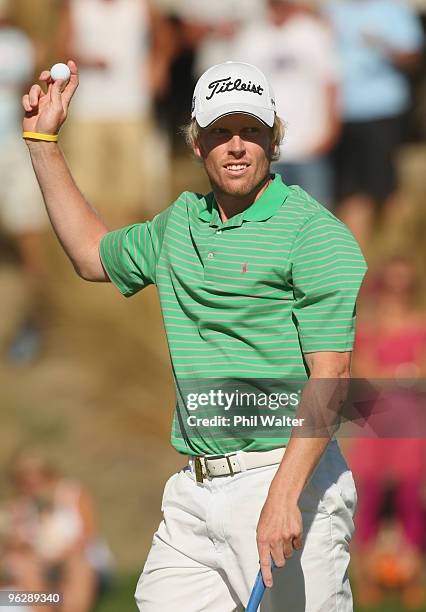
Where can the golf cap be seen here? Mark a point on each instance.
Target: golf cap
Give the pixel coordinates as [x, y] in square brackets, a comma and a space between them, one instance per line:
[232, 87]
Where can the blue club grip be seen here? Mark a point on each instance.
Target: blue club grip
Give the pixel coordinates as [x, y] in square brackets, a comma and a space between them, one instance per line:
[257, 591]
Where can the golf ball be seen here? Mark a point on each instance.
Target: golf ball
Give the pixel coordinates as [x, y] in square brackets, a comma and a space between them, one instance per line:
[60, 71]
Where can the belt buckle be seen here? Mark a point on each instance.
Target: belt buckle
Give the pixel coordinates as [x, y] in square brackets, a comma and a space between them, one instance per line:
[199, 476]
[228, 461]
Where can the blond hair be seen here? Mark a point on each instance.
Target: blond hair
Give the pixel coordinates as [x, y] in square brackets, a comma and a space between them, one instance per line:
[192, 132]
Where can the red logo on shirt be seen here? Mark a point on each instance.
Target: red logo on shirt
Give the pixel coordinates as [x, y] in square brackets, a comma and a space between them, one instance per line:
[244, 267]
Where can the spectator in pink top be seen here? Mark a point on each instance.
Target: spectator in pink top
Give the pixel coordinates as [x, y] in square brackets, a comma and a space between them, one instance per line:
[392, 345]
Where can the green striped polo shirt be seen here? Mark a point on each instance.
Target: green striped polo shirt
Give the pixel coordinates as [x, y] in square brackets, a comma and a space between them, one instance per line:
[244, 298]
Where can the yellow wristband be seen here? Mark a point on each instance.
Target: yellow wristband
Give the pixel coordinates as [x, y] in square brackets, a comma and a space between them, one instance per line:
[37, 136]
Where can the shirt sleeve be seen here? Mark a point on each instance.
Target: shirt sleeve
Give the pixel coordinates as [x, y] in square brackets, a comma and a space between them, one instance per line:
[327, 271]
[130, 254]
[402, 28]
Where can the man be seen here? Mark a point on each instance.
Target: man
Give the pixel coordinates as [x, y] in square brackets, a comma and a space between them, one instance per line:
[380, 43]
[296, 50]
[256, 280]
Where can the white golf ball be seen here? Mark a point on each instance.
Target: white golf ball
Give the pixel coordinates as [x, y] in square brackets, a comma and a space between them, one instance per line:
[60, 71]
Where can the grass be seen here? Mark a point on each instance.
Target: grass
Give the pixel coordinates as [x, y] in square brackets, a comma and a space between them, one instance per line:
[120, 597]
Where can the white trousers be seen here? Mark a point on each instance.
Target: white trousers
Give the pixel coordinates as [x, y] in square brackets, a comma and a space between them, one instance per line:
[204, 556]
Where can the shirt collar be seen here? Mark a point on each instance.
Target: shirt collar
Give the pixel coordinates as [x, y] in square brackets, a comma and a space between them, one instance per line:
[263, 208]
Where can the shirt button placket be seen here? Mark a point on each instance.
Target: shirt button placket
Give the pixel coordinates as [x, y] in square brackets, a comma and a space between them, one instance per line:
[210, 257]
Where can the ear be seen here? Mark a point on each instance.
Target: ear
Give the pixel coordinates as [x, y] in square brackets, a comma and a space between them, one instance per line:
[274, 149]
[196, 148]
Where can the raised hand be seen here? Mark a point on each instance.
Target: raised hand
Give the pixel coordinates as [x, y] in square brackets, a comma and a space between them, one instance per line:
[45, 112]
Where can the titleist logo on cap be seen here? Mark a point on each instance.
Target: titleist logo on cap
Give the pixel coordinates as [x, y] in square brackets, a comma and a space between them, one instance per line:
[227, 84]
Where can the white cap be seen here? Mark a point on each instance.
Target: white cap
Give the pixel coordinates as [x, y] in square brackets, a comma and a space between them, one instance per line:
[232, 87]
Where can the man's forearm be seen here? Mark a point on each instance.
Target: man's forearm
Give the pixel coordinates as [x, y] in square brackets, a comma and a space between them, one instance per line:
[320, 409]
[405, 61]
[76, 224]
[319, 412]
[300, 459]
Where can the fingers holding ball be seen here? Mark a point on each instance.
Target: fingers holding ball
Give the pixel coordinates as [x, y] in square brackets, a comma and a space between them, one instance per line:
[60, 72]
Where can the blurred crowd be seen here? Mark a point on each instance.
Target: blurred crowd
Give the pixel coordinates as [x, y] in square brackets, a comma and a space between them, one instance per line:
[390, 472]
[49, 538]
[350, 83]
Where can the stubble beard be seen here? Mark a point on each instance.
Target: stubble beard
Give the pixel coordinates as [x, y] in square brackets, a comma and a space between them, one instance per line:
[237, 189]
